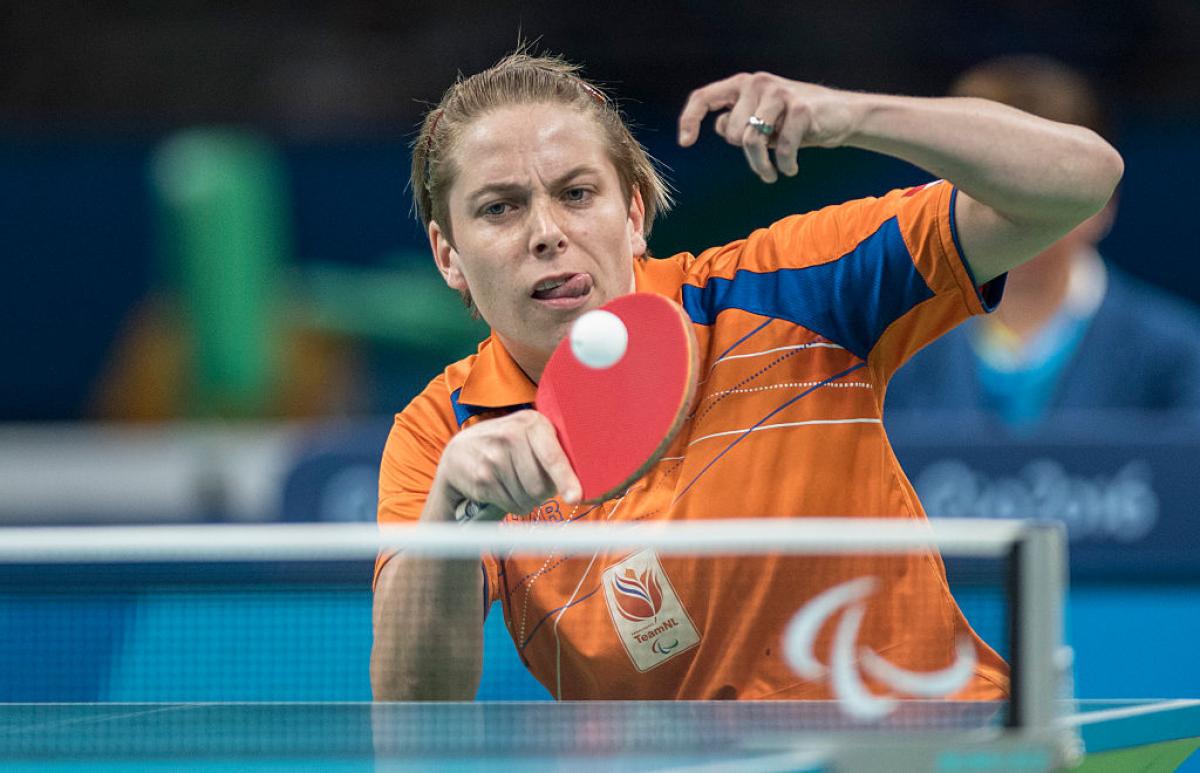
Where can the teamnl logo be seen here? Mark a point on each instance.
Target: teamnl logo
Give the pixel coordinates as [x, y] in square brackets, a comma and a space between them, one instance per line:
[639, 596]
[855, 698]
[639, 599]
[647, 613]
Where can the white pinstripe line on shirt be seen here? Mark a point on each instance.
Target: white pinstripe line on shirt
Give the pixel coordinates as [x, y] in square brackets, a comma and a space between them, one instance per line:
[764, 352]
[784, 426]
[557, 641]
[570, 601]
[812, 345]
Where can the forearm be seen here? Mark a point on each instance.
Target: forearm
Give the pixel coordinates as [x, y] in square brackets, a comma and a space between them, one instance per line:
[428, 612]
[1025, 168]
[428, 619]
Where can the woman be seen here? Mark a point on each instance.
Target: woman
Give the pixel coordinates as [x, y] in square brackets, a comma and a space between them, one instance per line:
[538, 202]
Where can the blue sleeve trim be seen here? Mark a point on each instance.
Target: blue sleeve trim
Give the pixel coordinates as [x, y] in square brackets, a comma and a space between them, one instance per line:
[464, 411]
[989, 294]
[954, 233]
[850, 301]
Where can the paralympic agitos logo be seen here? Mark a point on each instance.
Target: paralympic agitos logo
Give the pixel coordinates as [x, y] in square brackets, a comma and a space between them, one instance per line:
[849, 599]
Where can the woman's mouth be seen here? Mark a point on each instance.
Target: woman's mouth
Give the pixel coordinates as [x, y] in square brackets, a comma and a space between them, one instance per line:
[563, 289]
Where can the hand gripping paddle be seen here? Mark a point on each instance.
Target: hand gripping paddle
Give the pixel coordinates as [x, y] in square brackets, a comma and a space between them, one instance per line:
[615, 422]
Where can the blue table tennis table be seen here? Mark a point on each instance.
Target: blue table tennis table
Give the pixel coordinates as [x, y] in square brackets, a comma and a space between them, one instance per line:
[709, 736]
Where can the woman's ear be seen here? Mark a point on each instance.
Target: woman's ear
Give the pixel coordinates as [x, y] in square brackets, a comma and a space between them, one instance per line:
[446, 257]
[637, 223]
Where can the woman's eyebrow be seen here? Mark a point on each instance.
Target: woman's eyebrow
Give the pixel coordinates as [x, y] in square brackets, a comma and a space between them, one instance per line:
[512, 188]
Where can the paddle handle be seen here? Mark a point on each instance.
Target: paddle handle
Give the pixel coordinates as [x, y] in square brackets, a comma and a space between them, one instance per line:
[476, 511]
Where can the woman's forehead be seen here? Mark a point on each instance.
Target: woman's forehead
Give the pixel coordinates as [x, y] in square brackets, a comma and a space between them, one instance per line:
[529, 139]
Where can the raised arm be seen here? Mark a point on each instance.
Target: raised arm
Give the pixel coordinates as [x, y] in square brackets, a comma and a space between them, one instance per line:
[1023, 181]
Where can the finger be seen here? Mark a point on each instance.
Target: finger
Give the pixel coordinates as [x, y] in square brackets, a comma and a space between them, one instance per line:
[739, 116]
[720, 124]
[789, 137]
[490, 470]
[485, 456]
[757, 156]
[532, 486]
[524, 480]
[756, 144]
[545, 445]
[715, 96]
[517, 498]
[539, 449]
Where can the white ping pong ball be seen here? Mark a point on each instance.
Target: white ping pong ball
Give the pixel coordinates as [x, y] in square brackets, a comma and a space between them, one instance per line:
[598, 339]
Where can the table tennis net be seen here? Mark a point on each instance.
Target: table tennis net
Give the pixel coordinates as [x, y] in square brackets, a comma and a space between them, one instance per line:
[854, 625]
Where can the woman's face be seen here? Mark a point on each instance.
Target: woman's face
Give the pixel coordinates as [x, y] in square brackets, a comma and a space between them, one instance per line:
[542, 228]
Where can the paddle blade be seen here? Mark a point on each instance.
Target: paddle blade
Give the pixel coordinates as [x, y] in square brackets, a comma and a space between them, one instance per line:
[615, 422]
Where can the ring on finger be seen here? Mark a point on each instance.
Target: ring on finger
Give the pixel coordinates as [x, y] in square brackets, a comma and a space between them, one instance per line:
[760, 126]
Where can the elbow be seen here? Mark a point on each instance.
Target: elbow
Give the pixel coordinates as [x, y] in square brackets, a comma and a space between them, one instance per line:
[1108, 167]
[1097, 177]
[1117, 165]
[1113, 169]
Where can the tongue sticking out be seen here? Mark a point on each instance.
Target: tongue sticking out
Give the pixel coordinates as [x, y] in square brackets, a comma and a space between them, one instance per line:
[577, 285]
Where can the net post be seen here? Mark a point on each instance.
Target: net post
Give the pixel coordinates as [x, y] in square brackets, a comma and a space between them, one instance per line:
[1039, 577]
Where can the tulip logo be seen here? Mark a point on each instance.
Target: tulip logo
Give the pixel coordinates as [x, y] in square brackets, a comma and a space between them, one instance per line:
[638, 596]
[849, 599]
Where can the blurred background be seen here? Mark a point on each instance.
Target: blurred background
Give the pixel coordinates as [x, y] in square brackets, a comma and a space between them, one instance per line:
[220, 295]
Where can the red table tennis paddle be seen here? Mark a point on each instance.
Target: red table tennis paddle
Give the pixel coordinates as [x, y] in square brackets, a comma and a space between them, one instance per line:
[615, 422]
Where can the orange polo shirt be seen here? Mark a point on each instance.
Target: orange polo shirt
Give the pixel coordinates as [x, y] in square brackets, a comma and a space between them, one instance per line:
[799, 326]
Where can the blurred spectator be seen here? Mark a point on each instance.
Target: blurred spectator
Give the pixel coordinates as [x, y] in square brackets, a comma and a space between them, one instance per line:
[1072, 332]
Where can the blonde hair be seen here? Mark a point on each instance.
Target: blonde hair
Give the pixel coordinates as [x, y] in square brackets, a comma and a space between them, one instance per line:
[519, 79]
